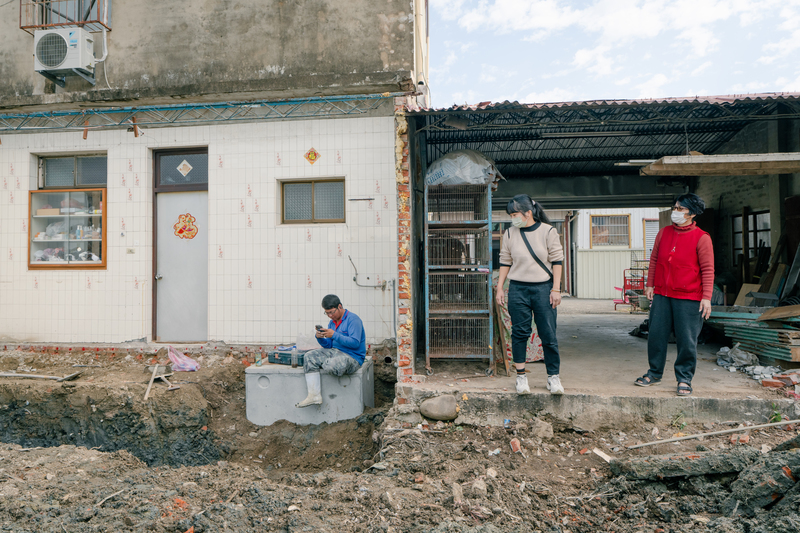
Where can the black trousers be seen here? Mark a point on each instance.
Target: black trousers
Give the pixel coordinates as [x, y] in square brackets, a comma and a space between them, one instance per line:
[682, 316]
[524, 299]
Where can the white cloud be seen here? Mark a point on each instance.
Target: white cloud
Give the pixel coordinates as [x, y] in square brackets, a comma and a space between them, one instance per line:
[594, 60]
[751, 87]
[652, 88]
[623, 81]
[702, 68]
[790, 86]
[556, 94]
[781, 48]
[467, 97]
[448, 9]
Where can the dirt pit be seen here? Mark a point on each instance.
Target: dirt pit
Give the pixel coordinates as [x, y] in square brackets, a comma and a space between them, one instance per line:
[369, 474]
[202, 422]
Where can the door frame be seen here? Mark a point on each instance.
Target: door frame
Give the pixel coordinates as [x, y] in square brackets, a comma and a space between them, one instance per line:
[158, 188]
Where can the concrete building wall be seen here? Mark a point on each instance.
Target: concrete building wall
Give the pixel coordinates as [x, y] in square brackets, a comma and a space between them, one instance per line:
[266, 280]
[231, 49]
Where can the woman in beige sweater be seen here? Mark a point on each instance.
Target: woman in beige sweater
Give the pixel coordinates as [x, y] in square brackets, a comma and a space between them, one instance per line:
[531, 257]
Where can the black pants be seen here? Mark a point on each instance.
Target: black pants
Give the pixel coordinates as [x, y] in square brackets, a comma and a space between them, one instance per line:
[524, 299]
[682, 316]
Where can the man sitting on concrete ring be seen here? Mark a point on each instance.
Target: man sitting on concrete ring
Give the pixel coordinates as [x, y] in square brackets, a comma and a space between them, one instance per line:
[343, 349]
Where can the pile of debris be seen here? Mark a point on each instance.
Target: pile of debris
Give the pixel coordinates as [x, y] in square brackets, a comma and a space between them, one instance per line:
[752, 490]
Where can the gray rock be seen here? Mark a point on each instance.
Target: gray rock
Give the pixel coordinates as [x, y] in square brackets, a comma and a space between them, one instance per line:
[439, 408]
[478, 488]
[542, 429]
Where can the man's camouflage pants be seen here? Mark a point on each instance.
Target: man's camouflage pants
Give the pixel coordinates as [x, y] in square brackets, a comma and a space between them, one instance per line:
[329, 361]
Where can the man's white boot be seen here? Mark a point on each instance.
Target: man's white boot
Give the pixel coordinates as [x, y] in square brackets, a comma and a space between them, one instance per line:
[313, 382]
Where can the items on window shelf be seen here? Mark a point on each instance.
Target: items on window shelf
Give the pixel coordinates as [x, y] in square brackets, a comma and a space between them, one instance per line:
[81, 232]
[50, 254]
[56, 230]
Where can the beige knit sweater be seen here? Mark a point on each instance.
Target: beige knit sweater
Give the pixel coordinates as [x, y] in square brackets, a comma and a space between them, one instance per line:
[545, 242]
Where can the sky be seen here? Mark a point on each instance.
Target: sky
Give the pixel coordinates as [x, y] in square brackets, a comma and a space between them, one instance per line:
[538, 51]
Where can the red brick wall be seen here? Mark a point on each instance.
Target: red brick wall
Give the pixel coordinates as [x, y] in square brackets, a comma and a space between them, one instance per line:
[405, 355]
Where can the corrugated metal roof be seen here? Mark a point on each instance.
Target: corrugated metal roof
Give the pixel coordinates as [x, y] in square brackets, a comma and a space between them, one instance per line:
[586, 138]
[720, 99]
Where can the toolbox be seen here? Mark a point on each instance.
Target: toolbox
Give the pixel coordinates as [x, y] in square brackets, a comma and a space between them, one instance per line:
[283, 357]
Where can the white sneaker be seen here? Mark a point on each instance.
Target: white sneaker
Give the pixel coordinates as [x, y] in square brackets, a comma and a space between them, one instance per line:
[554, 385]
[522, 384]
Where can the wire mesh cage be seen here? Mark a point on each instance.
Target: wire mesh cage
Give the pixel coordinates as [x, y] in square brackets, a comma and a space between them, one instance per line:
[458, 247]
[459, 203]
[459, 338]
[91, 15]
[458, 292]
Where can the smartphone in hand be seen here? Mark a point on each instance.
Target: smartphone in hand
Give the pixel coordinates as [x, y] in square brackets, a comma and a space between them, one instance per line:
[319, 328]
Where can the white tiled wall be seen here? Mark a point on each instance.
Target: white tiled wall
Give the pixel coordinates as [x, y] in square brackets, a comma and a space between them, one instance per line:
[266, 280]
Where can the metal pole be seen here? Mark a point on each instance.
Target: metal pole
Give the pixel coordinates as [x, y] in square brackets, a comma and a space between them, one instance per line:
[736, 430]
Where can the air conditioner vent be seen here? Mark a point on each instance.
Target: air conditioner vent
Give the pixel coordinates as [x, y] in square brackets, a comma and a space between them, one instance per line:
[51, 50]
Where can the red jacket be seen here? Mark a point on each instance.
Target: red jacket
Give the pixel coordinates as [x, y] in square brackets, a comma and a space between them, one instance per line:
[682, 263]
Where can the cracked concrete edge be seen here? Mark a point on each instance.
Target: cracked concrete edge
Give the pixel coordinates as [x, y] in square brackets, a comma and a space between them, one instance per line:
[589, 412]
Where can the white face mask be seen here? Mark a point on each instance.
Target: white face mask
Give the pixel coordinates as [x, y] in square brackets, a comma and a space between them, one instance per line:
[678, 217]
[517, 222]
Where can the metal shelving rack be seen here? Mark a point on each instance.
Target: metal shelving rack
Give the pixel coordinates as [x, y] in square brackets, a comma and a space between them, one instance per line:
[458, 273]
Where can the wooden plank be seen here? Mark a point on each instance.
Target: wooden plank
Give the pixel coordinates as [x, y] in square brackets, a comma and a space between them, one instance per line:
[776, 313]
[724, 165]
[777, 278]
[747, 287]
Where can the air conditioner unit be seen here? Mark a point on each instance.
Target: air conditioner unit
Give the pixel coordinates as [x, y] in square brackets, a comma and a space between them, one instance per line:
[62, 51]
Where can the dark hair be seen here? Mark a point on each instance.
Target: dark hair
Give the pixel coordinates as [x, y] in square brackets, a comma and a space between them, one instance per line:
[522, 203]
[692, 202]
[331, 301]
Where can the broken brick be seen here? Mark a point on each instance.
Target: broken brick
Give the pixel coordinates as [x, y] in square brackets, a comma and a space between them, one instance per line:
[419, 477]
[740, 439]
[772, 383]
[788, 380]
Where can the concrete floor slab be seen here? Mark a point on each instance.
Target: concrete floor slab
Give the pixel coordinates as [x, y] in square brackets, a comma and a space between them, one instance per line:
[599, 363]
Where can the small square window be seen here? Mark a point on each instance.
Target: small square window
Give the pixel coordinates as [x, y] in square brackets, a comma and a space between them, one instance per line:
[312, 202]
[611, 230]
[75, 171]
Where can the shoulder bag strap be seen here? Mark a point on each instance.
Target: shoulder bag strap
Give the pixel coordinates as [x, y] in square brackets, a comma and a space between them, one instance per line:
[535, 258]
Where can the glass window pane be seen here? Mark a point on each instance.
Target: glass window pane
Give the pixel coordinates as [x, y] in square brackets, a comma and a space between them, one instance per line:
[92, 171]
[737, 223]
[329, 200]
[183, 169]
[59, 172]
[762, 221]
[297, 201]
[737, 241]
[85, 231]
[610, 230]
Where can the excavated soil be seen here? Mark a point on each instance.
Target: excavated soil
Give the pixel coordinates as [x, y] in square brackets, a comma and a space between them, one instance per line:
[92, 455]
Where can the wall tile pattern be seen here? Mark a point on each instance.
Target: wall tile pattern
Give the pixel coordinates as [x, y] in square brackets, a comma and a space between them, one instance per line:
[266, 280]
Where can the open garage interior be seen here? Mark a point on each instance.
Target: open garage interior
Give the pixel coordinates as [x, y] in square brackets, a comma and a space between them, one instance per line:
[597, 168]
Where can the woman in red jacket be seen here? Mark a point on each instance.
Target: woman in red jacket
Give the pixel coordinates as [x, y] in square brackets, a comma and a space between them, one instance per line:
[680, 283]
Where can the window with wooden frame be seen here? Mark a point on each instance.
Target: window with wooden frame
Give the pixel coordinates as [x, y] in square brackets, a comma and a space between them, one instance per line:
[67, 214]
[312, 201]
[759, 232]
[611, 230]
